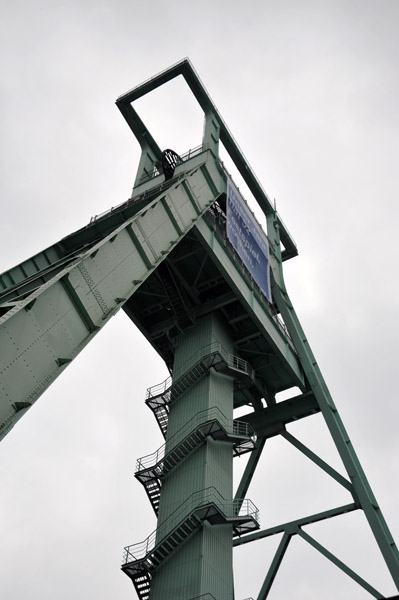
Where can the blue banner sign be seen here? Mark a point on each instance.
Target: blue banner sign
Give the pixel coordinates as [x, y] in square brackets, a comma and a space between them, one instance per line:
[248, 239]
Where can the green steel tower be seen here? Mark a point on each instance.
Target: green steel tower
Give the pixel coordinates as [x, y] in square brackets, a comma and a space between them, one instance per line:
[188, 262]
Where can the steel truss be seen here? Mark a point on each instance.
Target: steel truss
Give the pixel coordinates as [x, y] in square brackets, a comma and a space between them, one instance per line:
[164, 258]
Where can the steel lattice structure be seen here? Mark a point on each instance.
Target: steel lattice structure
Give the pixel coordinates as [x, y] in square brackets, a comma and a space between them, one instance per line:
[166, 258]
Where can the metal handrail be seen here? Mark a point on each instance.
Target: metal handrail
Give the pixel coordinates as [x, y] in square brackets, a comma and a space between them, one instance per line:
[203, 417]
[150, 192]
[229, 508]
[193, 152]
[202, 354]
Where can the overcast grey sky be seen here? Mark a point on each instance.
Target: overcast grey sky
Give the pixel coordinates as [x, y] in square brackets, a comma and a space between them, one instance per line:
[310, 90]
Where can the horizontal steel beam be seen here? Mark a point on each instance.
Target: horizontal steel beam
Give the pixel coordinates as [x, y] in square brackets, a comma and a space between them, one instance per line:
[271, 420]
[186, 69]
[292, 526]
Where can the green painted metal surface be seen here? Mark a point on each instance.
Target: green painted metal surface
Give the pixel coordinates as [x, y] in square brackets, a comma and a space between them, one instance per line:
[209, 466]
[163, 256]
[47, 323]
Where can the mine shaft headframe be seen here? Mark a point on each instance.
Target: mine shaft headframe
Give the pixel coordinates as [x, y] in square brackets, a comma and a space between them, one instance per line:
[215, 129]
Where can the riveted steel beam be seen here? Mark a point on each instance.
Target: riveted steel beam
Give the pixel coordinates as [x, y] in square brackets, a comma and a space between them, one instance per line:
[43, 332]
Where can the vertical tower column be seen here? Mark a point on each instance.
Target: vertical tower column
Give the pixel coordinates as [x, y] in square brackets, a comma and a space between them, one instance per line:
[202, 564]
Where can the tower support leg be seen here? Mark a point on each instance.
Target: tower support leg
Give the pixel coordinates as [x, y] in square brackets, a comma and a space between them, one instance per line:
[202, 564]
[363, 494]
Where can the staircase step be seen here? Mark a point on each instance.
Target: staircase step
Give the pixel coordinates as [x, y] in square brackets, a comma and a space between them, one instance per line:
[187, 445]
[188, 528]
[155, 496]
[179, 453]
[162, 415]
[142, 584]
[169, 546]
[176, 538]
[155, 488]
[159, 556]
[170, 462]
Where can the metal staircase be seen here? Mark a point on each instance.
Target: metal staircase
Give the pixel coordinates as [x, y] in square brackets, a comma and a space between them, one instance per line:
[160, 396]
[151, 469]
[140, 560]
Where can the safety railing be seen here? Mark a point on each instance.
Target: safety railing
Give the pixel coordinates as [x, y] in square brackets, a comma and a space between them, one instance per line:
[150, 192]
[204, 354]
[192, 152]
[231, 427]
[228, 508]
